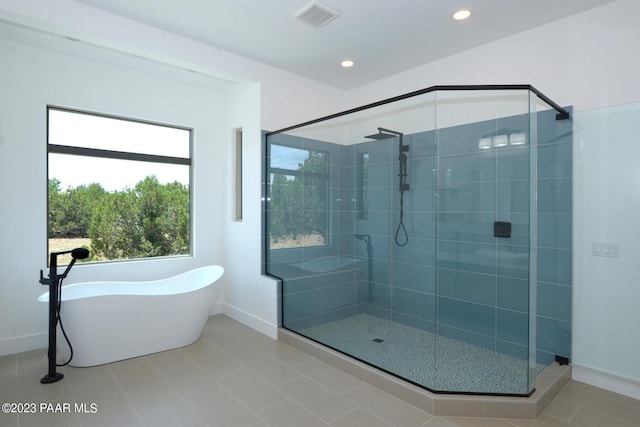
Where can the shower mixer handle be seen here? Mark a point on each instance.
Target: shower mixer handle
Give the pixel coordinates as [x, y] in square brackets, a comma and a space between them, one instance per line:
[44, 281]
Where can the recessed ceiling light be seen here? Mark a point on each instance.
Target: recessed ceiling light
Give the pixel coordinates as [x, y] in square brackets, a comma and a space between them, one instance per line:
[462, 14]
[347, 63]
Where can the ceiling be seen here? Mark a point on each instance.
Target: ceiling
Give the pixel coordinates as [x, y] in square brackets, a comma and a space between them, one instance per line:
[383, 37]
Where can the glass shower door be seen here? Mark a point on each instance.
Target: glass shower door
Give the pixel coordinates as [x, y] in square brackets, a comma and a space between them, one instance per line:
[483, 195]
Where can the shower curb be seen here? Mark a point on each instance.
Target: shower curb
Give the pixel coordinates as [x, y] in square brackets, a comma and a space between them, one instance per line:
[547, 385]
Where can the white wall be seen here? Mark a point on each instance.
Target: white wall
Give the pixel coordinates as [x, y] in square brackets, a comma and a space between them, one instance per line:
[587, 61]
[607, 196]
[248, 297]
[32, 78]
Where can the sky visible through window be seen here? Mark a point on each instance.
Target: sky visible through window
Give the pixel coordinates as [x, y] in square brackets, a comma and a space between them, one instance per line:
[287, 157]
[84, 130]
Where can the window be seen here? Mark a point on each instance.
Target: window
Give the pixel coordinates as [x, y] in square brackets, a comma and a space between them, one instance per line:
[118, 187]
[298, 194]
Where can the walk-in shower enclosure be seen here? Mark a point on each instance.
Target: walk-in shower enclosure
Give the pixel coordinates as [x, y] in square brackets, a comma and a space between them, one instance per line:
[428, 235]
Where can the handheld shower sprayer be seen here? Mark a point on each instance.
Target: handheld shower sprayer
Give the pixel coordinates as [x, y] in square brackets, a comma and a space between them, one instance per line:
[54, 281]
[402, 174]
[77, 253]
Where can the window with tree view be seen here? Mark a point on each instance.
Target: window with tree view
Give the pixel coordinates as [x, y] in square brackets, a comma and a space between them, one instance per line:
[117, 187]
[299, 183]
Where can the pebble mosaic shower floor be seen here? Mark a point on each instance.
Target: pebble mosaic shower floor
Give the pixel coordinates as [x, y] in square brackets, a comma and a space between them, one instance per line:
[435, 362]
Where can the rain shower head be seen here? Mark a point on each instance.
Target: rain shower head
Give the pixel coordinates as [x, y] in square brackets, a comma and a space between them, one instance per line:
[384, 134]
[380, 135]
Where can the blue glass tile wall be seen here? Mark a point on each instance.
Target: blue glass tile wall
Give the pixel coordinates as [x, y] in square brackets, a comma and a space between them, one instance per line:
[453, 277]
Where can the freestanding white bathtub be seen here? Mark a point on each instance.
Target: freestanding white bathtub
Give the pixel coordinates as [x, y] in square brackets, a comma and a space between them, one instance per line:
[110, 321]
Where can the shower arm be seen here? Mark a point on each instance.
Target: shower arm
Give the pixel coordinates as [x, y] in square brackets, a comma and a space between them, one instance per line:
[400, 135]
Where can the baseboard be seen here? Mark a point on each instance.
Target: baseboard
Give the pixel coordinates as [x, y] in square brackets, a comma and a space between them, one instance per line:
[24, 343]
[251, 321]
[606, 381]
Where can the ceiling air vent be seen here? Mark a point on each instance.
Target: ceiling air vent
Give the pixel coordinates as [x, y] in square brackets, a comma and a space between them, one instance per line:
[316, 14]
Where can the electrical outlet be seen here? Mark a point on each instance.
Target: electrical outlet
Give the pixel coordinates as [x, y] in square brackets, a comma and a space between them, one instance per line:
[607, 249]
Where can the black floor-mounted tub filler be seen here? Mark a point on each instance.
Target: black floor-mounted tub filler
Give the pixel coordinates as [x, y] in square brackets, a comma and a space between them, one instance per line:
[54, 281]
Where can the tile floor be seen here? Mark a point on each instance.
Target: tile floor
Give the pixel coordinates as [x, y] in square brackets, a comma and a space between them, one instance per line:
[235, 376]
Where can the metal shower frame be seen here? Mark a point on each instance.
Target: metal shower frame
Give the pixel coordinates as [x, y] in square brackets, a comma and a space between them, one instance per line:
[562, 114]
